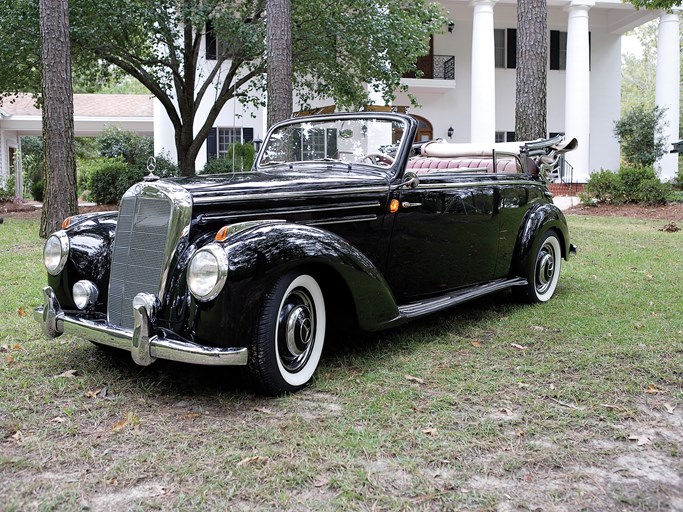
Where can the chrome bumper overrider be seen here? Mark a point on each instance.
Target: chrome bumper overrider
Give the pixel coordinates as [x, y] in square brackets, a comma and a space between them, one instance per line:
[143, 346]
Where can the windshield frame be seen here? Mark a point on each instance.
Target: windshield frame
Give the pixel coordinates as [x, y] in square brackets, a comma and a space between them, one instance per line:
[404, 147]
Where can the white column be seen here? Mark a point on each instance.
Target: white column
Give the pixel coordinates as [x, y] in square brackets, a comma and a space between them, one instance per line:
[667, 93]
[577, 81]
[483, 96]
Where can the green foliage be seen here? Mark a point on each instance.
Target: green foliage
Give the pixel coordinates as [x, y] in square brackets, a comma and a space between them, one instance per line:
[104, 179]
[639, 132]
[7, 192]
[655, 4]
[604, 187]
[32, 163]
[131, 147]
[629, 185]
[240, 158]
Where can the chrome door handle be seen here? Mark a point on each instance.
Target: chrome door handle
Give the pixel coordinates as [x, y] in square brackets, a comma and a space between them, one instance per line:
[406, 204]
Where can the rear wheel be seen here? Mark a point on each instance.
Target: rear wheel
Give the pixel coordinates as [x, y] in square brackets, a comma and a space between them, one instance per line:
[543, 269]
[289, 335]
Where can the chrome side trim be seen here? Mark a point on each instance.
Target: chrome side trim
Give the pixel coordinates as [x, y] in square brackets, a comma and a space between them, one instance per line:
[148, 346]
[201, 199]
[358, 218]
[291, 211]
[467, 184]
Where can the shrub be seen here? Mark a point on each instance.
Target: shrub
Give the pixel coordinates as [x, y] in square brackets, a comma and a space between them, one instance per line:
[605, 187]
[639, 132]
[629, 185]
[242, 155]
[7, 192]
[131, 147]
[217, 166]
[37, 190]
[104, 177]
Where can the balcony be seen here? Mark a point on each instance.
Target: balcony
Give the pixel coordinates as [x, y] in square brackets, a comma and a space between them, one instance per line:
[437, 74]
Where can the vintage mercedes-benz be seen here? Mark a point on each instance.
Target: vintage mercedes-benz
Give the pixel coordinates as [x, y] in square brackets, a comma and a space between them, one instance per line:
[343, 221]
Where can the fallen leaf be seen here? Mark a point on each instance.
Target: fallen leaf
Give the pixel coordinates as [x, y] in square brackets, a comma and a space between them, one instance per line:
[320, 481]
[612, 407]
[538, 328]
[9, 359]
[671, 227]
[69, 374]
[552, 387]
[113, 482]
[523, 385]
[477, 344]
[669, 408]
[192, 415]
[264, 410]
[414, 379]
[507, 412]
[518, 346]
[429, 431]
[17, 346]
[638, 326]
[652, 390]
[566, 404]
[18, 436]
[4, 348]
[58, 419]
[131, 420]
[21, 312]
[640, 440]
[251, 460]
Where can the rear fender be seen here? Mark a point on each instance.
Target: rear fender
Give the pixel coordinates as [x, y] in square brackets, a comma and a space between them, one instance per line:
[539, 219]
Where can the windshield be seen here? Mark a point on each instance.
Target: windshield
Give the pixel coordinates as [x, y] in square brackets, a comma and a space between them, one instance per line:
[369, 140]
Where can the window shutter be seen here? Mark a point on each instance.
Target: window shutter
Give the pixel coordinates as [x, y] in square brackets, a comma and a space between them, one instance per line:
[554, 49]
[247, 134]
[512, 48]
[211, 48]
[212, 144]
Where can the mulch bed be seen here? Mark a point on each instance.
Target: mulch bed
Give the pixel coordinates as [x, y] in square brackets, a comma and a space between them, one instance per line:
[672, 212]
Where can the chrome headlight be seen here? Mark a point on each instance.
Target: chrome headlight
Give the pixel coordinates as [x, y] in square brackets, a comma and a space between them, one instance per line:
[85, 294]
[55, 252]
[207, 272]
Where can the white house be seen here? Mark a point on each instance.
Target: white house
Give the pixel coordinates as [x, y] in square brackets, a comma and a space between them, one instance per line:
[469, 81]
[19, 117]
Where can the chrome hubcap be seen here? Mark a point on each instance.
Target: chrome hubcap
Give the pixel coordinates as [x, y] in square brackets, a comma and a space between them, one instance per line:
[296, 330]
[545, 268]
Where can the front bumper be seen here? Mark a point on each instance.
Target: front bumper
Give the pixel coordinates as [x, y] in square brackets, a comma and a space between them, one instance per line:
[144, 346]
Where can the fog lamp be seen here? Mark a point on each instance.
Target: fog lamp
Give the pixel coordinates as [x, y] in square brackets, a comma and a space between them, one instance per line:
[85, 294]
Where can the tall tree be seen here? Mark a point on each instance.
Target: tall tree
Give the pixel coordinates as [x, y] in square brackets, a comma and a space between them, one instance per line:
[58, 117]
[279, 76]
[532, 56]
[338, 48]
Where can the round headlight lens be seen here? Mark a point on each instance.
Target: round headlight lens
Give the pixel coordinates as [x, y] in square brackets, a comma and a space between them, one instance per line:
[55, 252]
[85, 294]
[207, 272]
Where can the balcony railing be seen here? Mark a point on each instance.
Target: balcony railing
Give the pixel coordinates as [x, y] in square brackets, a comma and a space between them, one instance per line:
[439, 67]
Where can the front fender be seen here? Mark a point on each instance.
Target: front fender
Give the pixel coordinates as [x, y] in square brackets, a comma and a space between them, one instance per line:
[539, 219]
[258, 256]
[90, 243]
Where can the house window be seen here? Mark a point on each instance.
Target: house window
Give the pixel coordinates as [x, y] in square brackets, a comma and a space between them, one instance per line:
[558, 50]
[315, 144]
[505, 47]
[219, 140]
[505, 137]
[216, 47]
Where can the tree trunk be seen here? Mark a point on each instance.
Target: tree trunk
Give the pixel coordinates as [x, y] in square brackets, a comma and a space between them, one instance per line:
[532, 56]
[59, 164]
[279, 43]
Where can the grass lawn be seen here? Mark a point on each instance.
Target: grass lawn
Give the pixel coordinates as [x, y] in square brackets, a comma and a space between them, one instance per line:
[575, 404]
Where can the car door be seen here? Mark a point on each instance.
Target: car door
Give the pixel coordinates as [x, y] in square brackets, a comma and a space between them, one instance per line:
[445, 235]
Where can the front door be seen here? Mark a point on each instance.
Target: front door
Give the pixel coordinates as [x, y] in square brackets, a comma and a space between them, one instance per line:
[445, 236]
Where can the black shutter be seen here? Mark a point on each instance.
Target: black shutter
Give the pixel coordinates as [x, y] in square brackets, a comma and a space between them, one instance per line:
[211, 47]
[512, 48]
[555, 49]
[212, 144]
[247, 134]
[510, 136]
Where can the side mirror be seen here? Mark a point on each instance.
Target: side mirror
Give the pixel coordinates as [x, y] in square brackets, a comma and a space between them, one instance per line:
[410, 180]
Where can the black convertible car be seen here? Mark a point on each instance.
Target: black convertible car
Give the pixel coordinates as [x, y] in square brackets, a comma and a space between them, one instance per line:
[342, 221]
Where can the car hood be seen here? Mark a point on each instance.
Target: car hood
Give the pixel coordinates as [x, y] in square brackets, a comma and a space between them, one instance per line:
[283, 182]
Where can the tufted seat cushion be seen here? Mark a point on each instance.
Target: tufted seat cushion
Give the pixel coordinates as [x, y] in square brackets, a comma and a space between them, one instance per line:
[426, 165]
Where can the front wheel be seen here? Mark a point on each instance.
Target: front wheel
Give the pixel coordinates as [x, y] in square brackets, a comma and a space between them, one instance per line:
[289, 335]
[543, 269]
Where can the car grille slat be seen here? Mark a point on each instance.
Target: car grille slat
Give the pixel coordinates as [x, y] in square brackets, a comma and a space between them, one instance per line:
[139, 253]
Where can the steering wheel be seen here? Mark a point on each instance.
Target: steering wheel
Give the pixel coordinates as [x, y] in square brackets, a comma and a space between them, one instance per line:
[379, 159]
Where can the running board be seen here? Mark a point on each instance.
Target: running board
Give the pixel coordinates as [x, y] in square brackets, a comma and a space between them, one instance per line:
[425, 307]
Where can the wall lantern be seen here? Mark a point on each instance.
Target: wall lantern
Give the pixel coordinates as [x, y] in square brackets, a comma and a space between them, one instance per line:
[364, 129]
[451, 26]
[450, 132]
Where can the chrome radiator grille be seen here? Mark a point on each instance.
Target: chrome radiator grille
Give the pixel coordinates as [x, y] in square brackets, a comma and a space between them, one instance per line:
[139, 255]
